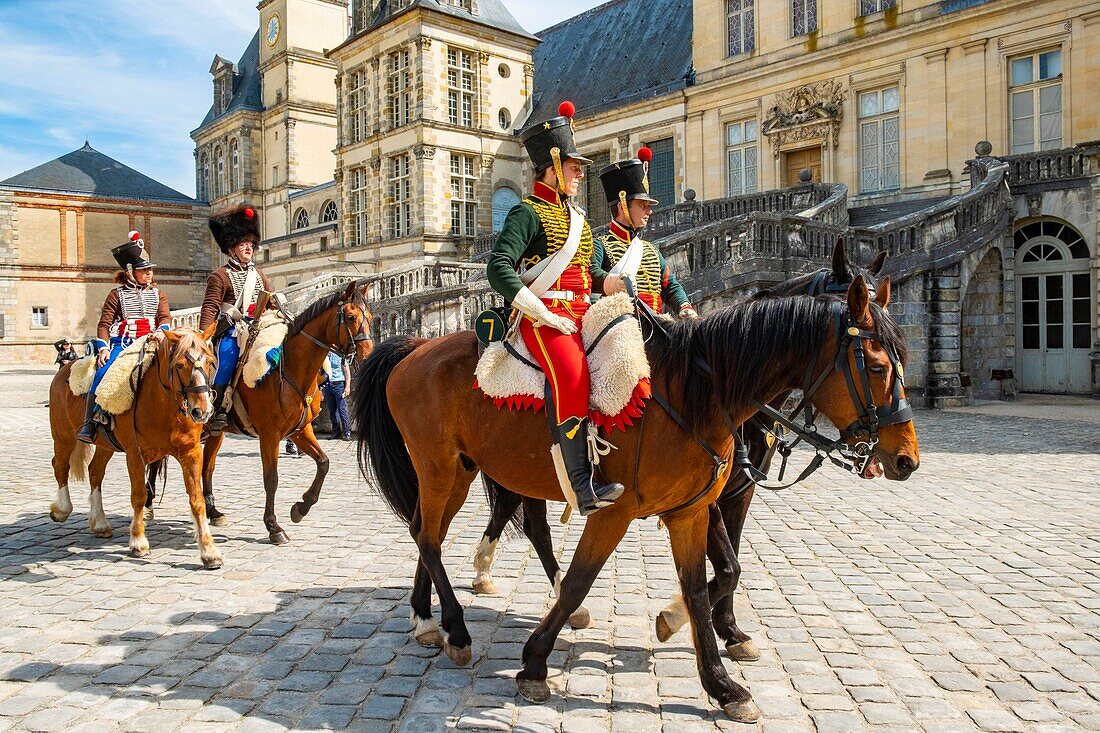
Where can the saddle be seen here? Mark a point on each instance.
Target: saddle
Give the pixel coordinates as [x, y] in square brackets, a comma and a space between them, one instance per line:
[508, 374]
[267, 349]
[116, 390]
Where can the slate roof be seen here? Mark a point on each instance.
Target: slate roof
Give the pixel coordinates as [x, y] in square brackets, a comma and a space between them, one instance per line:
[88, 171]
[492, 13]
[247, 93]
[618, 53]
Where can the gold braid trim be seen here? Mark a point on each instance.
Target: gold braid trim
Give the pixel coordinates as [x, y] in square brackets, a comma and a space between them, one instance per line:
[555, 155]
[555, 223]
[645, 175]
[626, 209]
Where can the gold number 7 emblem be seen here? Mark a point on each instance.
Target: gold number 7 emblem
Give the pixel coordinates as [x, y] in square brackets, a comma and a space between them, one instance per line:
[492, 323]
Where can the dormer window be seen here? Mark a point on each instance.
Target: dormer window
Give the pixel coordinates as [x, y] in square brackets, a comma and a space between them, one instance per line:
[225, 76]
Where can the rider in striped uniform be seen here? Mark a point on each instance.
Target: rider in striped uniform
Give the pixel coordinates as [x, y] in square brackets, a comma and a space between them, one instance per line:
[626, 186]
[134, 309]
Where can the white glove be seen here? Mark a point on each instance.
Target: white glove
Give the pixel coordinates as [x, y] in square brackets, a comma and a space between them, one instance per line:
[529, 304]
[613, 284]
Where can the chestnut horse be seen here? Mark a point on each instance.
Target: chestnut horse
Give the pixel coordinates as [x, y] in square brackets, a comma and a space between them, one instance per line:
[171, 403]
[426, 433]
[728, 514]
[284, 404]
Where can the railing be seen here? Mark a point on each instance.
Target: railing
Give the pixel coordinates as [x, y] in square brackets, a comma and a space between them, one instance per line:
[1050, 165]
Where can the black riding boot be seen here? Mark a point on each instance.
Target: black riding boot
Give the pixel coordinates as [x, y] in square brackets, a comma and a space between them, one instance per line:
[220, 421]
[88, 430]
[572, 440]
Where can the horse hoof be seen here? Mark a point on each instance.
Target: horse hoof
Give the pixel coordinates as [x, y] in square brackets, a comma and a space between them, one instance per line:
[102, 532]
[212, 563]
[742, 712]
[485, 587]
[217, 520]
[298, 512]
[139, 551]
[581, 618]
[279, 538]
[460, 655]
[744, 651]
[432, 639]
[664, 631]
[147, 514]
[533, 690]
[57, 515]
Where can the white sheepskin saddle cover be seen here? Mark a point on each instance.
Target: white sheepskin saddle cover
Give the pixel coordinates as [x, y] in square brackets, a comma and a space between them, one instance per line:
[617, 364]
[266, 349]
[116, 392]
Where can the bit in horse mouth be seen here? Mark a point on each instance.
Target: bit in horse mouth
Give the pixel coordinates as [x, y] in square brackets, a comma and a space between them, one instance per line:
[874, 468]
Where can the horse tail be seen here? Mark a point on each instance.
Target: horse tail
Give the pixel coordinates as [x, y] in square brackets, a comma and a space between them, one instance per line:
[79, 460]
[382, 451]
[514, 526]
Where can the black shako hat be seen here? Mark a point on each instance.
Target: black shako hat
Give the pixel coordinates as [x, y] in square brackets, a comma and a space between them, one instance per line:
[557, 132]
[130, 255]
[628, 180]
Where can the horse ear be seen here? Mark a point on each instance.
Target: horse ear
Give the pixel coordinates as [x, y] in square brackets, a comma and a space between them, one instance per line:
[882, 293]
[349, 293]
[841, 271]
[879, 261]
[208, 334]
[859, 301]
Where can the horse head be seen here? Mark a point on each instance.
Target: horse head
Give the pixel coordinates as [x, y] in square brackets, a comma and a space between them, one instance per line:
[186, 363]
[343, 322]
[863, 391]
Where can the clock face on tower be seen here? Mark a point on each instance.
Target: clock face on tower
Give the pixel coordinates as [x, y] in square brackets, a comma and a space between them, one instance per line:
[273, 30]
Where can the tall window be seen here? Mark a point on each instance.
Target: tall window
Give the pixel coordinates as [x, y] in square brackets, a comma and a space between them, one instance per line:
[463, 196]
[740, 23]
[869, 7]
[461, 84]
[879, 140]
[234, 165]
[356, 105]
[741, 158]
[662, 172]
[40, 316]
[328, 212]
[301, 219]
[803, 17]
[1035, 85]
[357, 233]
[204, 177]
[400, 196]
[594, 199]
[219, 179]
[400, 89]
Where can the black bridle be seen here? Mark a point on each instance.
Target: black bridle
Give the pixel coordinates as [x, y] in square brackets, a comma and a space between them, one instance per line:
[343, 322]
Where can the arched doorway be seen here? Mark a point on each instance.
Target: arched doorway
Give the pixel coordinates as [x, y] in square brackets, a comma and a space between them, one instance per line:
[504, 199]
[1054, 316]
[983, 326]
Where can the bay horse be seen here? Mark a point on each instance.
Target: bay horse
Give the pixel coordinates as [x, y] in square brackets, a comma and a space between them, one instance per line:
[425, 433]
[285, 402]
[728, 514]
[171, 404]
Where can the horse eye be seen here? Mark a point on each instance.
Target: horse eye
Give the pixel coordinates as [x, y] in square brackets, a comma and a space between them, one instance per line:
[877, 369]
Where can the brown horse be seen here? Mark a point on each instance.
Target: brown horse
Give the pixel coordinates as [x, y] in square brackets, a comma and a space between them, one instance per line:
[727, 515]
[171, 403]
[426, 434]
[285, 403]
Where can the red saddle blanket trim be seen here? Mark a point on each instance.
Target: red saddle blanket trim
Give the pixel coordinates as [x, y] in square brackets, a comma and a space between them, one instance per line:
[608, 423]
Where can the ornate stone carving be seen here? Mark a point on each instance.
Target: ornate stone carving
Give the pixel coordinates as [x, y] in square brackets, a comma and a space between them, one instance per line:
[483, 58]
[528, 70]
[423, 42]
[376, 163]
[423, 151]
[1034, 204]
[809, 112]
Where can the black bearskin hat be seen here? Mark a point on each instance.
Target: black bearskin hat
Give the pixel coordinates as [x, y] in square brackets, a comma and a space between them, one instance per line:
[233, 226]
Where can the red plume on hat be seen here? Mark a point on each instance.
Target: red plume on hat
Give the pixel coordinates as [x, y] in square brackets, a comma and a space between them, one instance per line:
[230, 227]
[645, 154]
[567, 109]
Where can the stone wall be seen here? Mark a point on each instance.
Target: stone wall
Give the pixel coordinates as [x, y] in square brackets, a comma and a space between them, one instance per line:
[983, 334]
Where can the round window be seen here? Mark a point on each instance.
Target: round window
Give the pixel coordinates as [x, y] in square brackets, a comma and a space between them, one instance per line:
[505, 118]
[504, 71]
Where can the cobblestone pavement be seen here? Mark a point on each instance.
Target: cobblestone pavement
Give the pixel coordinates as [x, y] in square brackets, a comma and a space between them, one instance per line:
[967, 598]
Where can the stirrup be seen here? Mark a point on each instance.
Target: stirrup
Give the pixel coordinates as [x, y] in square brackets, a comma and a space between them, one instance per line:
[219, 422]
[614, 491]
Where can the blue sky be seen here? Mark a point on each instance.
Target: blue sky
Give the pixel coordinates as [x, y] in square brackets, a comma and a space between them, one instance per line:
[132, 76]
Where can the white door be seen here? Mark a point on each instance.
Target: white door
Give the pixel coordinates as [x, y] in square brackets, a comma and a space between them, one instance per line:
[1054, 323]
[504, 199]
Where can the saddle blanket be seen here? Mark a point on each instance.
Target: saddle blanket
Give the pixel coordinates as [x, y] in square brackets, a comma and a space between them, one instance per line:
[618, 367]
[116, 390]
[267, 349]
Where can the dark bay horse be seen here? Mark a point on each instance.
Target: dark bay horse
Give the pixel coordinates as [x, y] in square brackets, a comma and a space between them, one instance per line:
[284, 403]
[171, 403]
[426, 433]
[727, 515]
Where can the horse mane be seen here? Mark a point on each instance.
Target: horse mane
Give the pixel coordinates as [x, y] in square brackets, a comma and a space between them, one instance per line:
[322, 304]
[740, 344]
